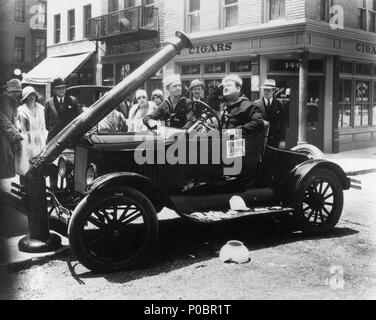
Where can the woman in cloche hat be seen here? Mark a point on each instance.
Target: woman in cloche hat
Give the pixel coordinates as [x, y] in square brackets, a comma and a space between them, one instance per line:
[31, 121]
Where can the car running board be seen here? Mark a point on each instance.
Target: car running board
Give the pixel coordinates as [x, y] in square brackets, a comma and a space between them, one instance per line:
[215, 216]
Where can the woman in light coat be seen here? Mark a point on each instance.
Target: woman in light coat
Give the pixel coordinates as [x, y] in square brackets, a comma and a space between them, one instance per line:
[31, 121]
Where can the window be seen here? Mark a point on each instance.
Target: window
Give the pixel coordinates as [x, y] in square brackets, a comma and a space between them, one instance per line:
[19, 49]
[57, 22]
[19, 11]
[147, 2]
[347, 67]
[129, 4]
[372, 16]
[42, 14]
[189, 69]
[215, 67]
[193, 23]
[71, 25]
[87, 16]
[363, 69]
[276, 9]
[362, 103]
[148, 13]
[230, 13]
[324, 7]
[240, 66]
[344, 112]
[362, 13]
[113, 5]
[40, 49]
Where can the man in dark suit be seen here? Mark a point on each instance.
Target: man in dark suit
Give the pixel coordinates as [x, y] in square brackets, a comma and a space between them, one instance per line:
[274, 113]
[60, 110]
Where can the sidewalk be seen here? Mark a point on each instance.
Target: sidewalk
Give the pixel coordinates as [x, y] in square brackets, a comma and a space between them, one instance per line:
[355, 162]
[13, 219]
[13, 227]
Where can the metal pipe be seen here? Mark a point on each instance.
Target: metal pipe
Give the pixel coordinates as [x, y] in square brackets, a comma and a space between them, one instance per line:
[40, 239]
[101, 108]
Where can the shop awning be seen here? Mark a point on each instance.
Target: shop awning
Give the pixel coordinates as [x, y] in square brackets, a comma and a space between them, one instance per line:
[55, 67]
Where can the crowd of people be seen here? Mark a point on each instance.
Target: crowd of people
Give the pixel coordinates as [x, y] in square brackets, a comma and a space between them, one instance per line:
[23, 120]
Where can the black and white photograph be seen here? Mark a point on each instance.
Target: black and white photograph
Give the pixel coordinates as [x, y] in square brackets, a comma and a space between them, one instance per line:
[187, 150]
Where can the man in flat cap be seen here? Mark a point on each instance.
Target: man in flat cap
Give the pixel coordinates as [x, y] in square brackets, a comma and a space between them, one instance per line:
[9, 134]
[175, 111]
[239, 112]
[274, 113]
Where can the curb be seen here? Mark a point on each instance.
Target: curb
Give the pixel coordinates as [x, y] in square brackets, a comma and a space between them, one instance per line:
[360, 172]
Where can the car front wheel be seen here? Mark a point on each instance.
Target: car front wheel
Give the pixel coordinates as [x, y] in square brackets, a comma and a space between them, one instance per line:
[112, 231]
[319, 202]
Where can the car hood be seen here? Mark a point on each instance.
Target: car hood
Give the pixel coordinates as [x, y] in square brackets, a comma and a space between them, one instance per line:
[131, 141]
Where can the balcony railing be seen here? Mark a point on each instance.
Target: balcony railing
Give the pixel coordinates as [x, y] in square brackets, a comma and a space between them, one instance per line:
[140, 20]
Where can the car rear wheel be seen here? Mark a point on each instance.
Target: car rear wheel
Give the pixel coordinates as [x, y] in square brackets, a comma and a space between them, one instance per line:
[320, 202]
[113, 231]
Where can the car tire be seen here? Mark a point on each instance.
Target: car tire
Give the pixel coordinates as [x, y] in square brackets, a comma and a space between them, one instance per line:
[112, 252]
[319, 202]
[309, 150]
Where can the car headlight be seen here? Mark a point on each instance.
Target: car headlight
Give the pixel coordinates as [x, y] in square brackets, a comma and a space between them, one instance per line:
[91, 174]
[65, 166]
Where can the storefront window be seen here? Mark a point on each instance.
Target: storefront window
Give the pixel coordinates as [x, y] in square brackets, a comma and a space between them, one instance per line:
[347, 67]
[188, 69]
[362, 103]
[240, 66]
[344, 112]
[363, 69]
[215, 67]
[211, 84]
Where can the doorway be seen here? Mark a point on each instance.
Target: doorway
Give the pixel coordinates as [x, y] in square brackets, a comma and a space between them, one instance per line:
[288, 94]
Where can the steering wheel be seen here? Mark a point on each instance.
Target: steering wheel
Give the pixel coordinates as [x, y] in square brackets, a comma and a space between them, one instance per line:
[206, 115]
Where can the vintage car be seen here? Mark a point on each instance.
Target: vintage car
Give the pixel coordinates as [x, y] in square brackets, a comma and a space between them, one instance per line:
[114, 199]
[114, 186]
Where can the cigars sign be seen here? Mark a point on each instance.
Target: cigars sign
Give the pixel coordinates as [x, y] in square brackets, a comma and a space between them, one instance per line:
[211, 48]
[365, 48]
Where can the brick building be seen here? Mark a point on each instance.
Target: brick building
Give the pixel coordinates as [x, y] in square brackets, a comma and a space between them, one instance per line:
[70, 55]
[330, 70]
[132, 31]
[326, 73]
[22, 36]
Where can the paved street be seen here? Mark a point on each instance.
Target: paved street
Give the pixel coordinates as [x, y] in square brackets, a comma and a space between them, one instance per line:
[284, 265]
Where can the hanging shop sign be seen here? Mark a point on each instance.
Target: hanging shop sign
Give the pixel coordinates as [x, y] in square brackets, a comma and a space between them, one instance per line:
[122, 47]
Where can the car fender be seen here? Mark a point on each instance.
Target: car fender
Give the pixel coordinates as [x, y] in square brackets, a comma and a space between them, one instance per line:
[296, 178]
[116, 180]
